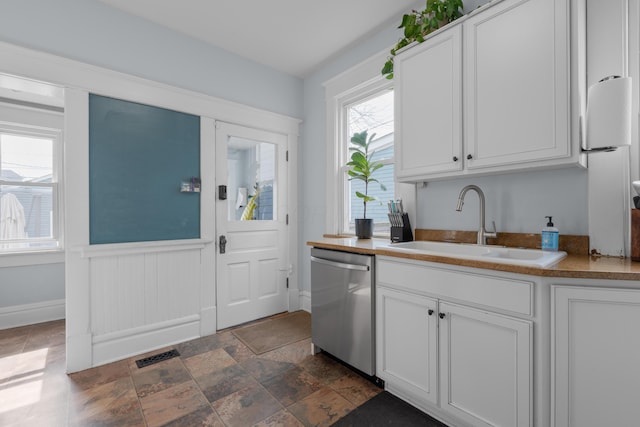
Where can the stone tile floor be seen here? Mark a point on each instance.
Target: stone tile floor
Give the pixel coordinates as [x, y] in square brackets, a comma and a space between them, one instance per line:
[216, 381]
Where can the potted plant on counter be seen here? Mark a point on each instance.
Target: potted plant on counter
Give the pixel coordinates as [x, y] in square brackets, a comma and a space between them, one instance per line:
[362, 167]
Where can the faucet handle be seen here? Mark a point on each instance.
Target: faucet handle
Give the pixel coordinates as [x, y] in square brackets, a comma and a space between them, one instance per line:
[493, 233]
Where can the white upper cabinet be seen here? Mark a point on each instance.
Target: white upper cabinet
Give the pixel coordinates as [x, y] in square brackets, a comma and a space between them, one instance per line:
[429, 106]
[517, 94]
[518, 80]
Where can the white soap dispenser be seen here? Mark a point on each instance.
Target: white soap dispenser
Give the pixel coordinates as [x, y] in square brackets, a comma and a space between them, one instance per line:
[550, 236]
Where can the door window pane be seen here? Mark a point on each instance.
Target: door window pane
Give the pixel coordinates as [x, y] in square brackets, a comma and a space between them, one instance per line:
[251, 167]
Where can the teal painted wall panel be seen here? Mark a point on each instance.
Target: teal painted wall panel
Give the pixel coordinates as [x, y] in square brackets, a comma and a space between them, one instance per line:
[138, 155]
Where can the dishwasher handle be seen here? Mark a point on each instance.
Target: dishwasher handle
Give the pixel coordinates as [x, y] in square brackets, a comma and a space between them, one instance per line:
[337, 264]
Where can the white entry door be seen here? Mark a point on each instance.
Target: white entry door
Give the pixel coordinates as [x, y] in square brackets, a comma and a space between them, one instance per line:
[251, 224]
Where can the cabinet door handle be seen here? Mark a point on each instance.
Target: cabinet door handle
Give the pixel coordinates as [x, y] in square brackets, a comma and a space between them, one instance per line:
[455, 159]
[441, 315]
[430, 312]
[469, 157]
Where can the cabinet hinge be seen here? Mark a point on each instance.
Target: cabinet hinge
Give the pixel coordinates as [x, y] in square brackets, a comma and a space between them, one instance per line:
[287, 155]
[287, 219]
[287, 283]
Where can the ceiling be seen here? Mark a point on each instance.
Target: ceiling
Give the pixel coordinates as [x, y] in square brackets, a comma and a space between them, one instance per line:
[293, 36]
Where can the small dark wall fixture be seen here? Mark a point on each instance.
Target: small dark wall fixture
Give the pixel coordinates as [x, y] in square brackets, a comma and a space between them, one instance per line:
[138, 157]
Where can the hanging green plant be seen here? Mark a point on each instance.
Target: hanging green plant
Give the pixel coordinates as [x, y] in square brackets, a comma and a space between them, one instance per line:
[418, 24]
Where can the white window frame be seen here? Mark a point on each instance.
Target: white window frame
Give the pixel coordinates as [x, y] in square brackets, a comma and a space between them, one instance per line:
[39, 123]
[357, 83]
[369, 91]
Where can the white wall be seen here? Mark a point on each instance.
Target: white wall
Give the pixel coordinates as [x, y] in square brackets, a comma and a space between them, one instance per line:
[18, 285]
[517, 202]
[31, 294]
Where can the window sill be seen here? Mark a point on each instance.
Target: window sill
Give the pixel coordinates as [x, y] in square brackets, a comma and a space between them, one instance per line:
[21, 259]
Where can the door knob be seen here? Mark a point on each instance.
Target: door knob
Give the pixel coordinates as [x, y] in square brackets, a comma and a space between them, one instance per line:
[469, 157]
[441, 315]
[222, 243]
[430, 312]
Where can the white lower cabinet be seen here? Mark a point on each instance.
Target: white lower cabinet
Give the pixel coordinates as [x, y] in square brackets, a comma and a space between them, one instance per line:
[406, 354]
[485, 367]
[596, 369]
[458, 360]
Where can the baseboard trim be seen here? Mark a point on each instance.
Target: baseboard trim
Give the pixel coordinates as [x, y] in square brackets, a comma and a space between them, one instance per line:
[294, 299]
[123, 344]
[28, 314]
[305, 300]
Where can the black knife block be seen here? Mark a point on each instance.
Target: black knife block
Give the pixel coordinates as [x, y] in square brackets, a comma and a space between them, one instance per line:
[400, 233]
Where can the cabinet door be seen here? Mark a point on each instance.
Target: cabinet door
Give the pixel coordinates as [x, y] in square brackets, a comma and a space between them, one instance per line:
[428, 109]
[486, 367]
[596, 371]
[517, 94]
[406, 344]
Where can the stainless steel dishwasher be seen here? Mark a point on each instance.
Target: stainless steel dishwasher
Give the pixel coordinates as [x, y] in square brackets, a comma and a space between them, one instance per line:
[343, 307]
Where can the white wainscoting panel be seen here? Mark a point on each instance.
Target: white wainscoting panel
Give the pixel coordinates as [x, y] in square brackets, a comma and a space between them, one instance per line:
[133, 290]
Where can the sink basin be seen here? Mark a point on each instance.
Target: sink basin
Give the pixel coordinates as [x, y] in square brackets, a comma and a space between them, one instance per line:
[442, 248]
[500, 254]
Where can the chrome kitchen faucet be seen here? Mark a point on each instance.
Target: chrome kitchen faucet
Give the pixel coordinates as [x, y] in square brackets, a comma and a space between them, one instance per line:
[482, 232]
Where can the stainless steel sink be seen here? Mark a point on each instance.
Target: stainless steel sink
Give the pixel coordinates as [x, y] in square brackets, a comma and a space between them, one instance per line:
[500, 254]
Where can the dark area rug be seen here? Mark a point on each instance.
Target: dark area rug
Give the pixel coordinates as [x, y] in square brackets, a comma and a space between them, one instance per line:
[386, 410]
[275, 333]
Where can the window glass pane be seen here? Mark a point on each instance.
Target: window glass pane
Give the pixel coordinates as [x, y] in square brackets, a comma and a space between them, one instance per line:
[377, 209]
[251, 167]
[26, 213]
[375, 115]
[26, 158]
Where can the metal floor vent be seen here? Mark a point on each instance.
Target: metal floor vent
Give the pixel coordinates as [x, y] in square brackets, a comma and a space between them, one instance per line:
[156, 358]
